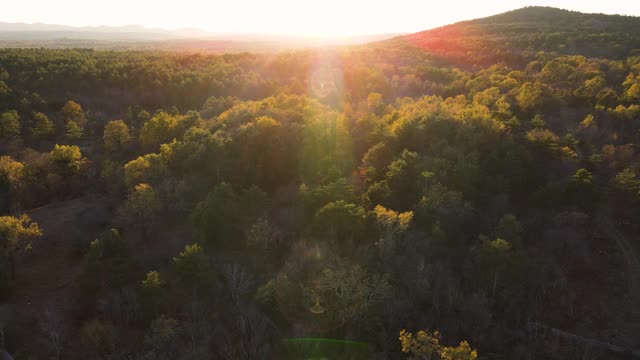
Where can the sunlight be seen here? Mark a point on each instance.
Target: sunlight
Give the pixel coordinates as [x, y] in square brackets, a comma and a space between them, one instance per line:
[332, 180]
[326, 19]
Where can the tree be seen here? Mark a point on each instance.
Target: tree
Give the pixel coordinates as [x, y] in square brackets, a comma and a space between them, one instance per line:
[9, 125]
[67, 159]
[215, 106]
[16, 234]
[426, 346]
[402, 175]
[152, 298]
[216, 217]
[633, 92]
[441, 205]
[509, 228]
[159, 130]
[532, 96]
[52, 324]
[374, 103]
[350, 293]
[72, 130]
[109, 263]
[4, 89]
[161, 337]
[72, 111]
[98, 337]
[141, 207]
[626, 192]
[461, 352]
[340, 220]
[42, 127]
[581, 189]
[116, 135]
[390, 223]
[264, 235]
[149, 169]
[499, 266]
[627, 182]
[192, 267]
[421, 346]
[152, 280]
[12, 176]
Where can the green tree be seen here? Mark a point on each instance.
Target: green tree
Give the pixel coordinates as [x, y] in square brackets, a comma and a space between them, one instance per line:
[160, 129]
[626, 181]
[633, 92]
[500, 267]
[9, 125]
[141, 207]
[193, 268]
[67, 159]
[340, 220]
[116, 135]
[72, 131]
[509, 228]
[216, 217]
[42, 127]
[626, 192]
[390, 223]
[72, 111]
[16, 234]
[581, 189]
[532, 96]
[149, 168]
[152, 297]
[215, 106]
[402, 176]
[109, 263]
[374, 103]
[12, 175]
[152, 281]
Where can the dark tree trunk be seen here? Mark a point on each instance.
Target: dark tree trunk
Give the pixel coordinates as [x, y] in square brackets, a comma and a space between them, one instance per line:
[12, 266]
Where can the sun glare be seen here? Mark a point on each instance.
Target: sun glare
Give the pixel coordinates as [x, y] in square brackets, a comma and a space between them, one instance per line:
[322, 19]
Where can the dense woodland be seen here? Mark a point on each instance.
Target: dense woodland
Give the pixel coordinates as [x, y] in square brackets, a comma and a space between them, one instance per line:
[466, 193]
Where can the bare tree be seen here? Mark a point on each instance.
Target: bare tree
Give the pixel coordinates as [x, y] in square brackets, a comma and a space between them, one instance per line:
[196, 326]
[52, 326]
[5, 314]
[239, 282]
[246, 337]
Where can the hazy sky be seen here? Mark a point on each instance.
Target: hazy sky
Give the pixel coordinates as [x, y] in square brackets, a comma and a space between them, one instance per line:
[304, 17]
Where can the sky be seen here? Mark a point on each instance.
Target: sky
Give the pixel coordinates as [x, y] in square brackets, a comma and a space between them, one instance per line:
[290, 17]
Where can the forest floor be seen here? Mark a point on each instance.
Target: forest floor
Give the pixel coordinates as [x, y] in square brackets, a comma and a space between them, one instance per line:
[48, 273]
[628, 333]
[632, 262]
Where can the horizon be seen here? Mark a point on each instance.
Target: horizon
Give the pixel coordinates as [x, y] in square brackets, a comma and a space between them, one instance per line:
[284, 17]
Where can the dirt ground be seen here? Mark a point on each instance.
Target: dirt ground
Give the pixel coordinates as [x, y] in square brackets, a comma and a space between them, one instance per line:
[48, 273]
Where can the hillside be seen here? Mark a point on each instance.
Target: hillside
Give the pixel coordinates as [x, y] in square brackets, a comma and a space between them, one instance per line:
[469, 192]
[516, 36]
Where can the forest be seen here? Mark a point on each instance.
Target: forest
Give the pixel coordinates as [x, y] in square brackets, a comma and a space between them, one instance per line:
[468, 192]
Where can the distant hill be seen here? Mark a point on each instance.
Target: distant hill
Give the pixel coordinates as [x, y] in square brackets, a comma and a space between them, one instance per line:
[41, 31]
[135, 37]
[515, 36]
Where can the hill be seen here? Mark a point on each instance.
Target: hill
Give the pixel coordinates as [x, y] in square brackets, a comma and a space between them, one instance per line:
[515, 37]
[135, 37]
